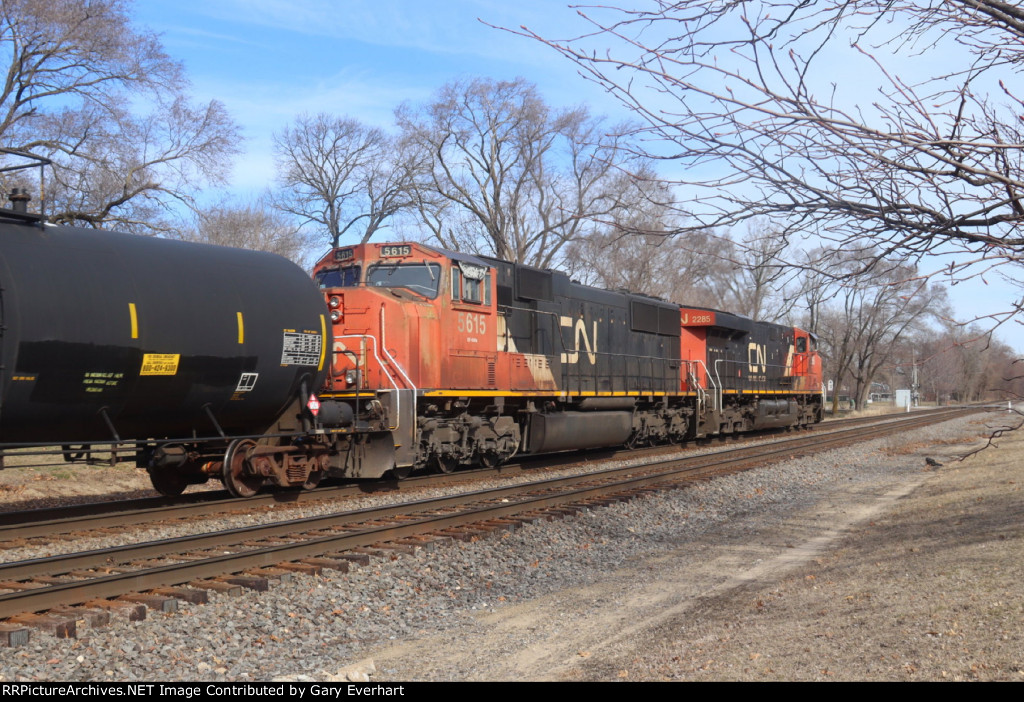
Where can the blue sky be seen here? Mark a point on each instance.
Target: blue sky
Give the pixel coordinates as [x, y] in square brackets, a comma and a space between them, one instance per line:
[270, 60]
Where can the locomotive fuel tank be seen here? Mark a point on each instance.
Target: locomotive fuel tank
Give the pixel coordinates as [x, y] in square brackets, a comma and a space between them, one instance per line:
[108, 335]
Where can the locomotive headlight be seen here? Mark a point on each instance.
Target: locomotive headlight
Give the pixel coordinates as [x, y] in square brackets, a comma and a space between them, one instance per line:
[351, 376]
[335, 302]
[335, 315]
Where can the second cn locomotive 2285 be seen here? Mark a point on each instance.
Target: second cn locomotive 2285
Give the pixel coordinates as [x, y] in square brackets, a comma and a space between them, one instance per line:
[224, 363]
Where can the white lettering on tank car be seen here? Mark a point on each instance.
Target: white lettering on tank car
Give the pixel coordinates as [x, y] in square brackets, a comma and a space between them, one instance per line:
[246, 382]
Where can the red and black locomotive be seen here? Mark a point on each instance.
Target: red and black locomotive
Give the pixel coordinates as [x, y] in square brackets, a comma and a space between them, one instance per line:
[456, 360]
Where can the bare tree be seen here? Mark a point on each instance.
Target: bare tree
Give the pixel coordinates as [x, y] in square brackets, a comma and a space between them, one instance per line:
[341, 176]
[1005, 375]
[867, 317]
[71, 67]
[254, 226]
[890, 128]
[689, 272]
[949, 363]
[757, 269]
[508, 176]
[962, 364]
[814, 288]
[746, 276]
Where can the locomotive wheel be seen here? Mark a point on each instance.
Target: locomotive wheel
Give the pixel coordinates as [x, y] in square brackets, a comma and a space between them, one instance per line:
[397, 473]
[168, 483]
[635, 441]
[233, 473]
[445, 464]
[490, 460]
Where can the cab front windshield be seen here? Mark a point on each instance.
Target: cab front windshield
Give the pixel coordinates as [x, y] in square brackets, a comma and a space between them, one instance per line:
[421, 278]
[338, 277]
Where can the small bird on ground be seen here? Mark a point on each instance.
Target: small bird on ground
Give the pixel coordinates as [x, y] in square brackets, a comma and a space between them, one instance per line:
[932, 462]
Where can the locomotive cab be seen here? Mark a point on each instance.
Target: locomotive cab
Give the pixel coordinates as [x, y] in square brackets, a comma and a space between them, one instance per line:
[388, 304]
[406, 318]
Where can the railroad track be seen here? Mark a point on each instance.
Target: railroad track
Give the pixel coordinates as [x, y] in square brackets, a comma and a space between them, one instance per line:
[17, 527]
[157, 571]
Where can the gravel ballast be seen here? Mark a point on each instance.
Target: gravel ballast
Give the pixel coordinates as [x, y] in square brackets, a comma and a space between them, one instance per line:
[802, 570]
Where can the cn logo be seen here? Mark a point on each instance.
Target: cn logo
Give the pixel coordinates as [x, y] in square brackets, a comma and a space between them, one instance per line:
[758, 358]
[580, 335]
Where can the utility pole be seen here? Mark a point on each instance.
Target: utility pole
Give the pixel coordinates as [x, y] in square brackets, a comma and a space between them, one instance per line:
[914, 385]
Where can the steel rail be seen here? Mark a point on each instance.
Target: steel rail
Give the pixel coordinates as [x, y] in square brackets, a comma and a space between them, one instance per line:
[498, 505]
[62, 520]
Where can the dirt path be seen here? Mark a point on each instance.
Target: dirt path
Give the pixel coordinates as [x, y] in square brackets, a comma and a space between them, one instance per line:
[923, 580]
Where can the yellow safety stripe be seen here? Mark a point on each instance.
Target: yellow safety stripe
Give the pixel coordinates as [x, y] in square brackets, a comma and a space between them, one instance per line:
[323, 342]
[135, 320]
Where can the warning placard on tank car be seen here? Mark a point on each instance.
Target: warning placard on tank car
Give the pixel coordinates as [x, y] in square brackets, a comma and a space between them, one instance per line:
[247, 382]
[160, 363]
[300, 349]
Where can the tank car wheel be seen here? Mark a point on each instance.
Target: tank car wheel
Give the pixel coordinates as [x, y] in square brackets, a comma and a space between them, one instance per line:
[233, 473]
[168, 483]
[313, 480]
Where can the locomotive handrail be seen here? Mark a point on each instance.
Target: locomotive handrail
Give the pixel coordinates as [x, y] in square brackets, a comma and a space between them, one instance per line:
[763, 381]
[715, 382]
[378, 348]
[667, 379]
[694, 382]
[380, 364]
[398, 393]
[702, 396]
[384, 348]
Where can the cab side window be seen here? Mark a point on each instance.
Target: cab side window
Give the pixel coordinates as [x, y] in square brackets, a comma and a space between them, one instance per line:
[474, 290]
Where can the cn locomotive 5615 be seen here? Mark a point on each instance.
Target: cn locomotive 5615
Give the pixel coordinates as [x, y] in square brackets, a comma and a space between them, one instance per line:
[452, 360]
[218, 362]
